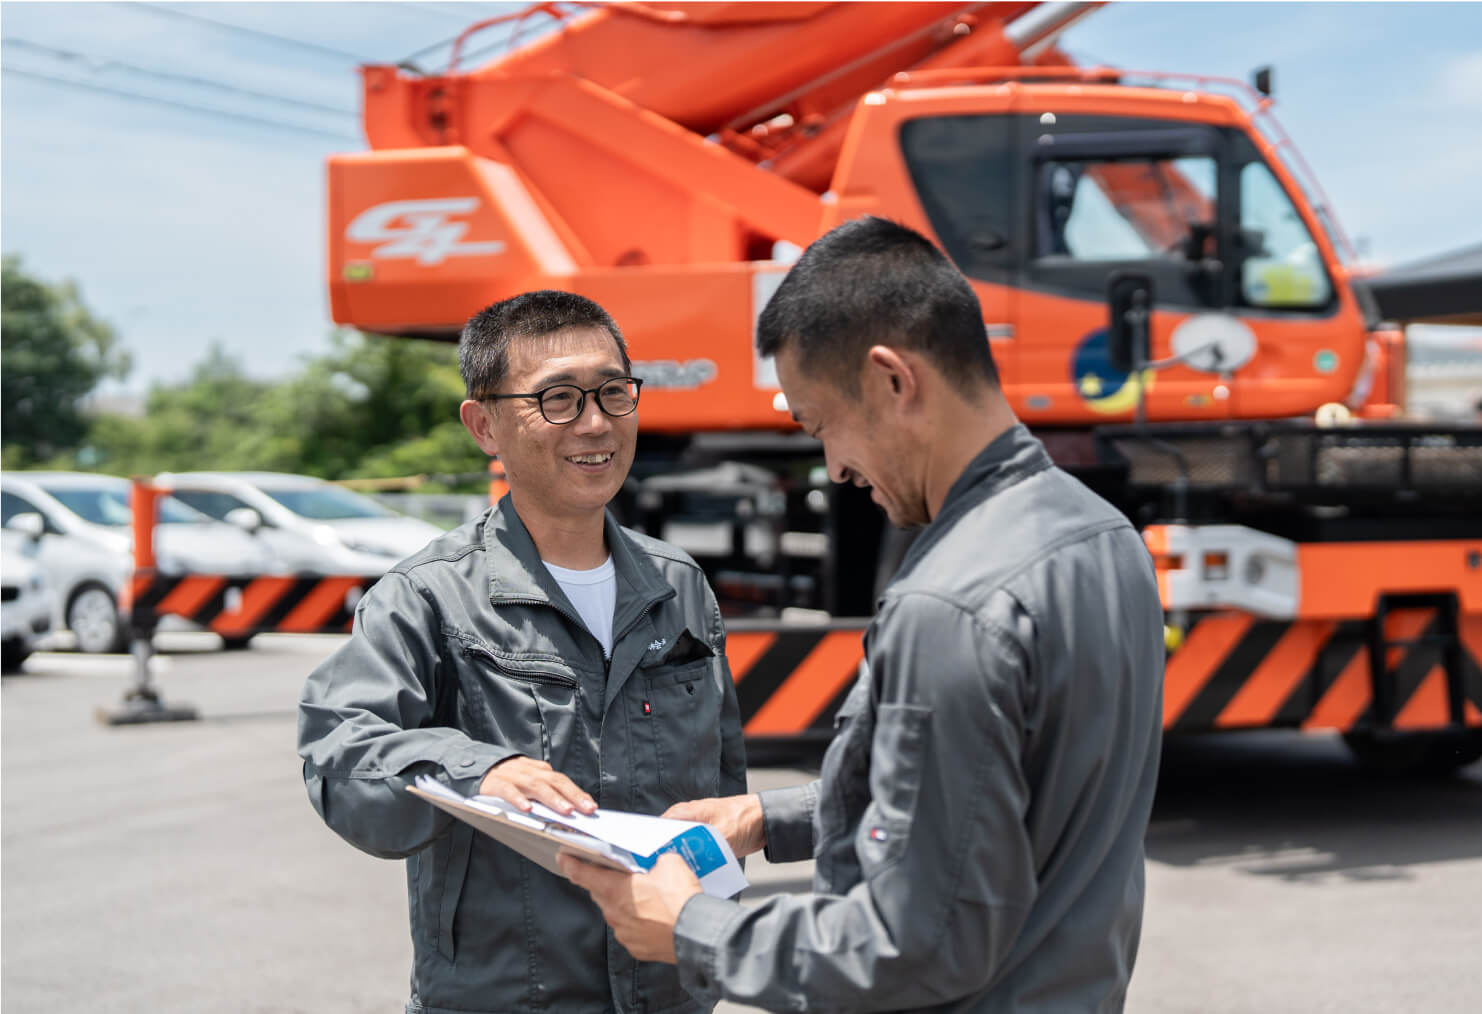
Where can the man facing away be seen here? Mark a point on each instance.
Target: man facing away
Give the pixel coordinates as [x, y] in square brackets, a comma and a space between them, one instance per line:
[978, 826]
[539, 652]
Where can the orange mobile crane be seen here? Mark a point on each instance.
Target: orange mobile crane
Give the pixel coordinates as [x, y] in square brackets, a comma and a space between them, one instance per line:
[1171, 307]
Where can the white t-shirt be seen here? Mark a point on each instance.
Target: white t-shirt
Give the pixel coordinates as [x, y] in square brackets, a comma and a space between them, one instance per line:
[594, 593]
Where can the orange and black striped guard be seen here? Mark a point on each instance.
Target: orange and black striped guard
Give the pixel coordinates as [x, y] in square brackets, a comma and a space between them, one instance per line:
[1236, 671]
[243, 605]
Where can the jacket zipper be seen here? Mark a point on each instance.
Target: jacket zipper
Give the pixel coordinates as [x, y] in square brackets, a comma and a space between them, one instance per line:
[617, 635]
[577, 621]
[547, 678]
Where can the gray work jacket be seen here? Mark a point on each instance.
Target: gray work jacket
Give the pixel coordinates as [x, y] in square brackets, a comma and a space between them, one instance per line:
[469, 653]
[978, 826]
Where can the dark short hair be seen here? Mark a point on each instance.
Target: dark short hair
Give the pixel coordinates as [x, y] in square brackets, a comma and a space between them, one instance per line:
[483, 348]
[875, 282]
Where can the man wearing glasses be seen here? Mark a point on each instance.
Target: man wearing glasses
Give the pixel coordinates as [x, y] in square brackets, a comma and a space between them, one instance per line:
[540, 652]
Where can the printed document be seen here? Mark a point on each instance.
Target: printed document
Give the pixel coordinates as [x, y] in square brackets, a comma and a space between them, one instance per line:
[631, 842]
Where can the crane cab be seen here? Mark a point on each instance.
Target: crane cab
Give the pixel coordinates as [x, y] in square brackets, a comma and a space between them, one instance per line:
[1045, 187]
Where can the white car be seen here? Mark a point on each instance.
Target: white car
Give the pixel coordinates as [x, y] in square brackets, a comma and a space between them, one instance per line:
[86, 543]
[310, 526]
[26, 600]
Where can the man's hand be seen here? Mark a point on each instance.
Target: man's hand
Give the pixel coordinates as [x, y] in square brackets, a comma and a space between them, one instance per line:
[518, 780]
[641, 908]
[737, 818]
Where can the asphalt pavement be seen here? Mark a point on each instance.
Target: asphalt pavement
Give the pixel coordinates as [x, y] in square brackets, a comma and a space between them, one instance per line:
[180, 868]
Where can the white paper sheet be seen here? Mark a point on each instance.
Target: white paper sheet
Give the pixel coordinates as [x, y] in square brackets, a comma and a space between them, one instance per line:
[632, 840]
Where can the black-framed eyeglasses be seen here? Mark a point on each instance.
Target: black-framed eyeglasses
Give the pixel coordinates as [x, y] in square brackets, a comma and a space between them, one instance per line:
[563, 403]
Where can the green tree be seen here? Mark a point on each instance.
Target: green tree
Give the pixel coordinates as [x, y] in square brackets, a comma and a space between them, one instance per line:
[53, 352]
[371, 407]
[210, 421]
[375, 407]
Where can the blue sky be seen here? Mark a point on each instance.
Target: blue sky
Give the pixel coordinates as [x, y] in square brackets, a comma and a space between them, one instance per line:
[183, 228]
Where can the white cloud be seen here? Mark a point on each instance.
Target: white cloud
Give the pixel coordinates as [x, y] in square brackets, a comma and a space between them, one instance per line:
[1459, 82]
[177, 236]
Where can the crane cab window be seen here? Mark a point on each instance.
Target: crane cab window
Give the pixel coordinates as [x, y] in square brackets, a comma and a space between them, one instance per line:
[1281, 267]
[1127, 210]
[1060, 206]
[964, 172]
[1106, 194]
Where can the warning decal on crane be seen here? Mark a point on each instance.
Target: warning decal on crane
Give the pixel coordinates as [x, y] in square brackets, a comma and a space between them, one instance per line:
[1103, 387]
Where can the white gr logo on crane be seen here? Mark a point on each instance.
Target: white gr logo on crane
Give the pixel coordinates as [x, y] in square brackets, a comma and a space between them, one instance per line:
[420, 230]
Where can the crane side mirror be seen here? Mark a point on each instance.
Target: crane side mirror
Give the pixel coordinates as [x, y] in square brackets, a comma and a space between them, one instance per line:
[1262, 81]
[1129, 298]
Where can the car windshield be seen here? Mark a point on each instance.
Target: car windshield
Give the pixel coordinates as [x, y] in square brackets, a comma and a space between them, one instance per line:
[109, 505]
[326, 503]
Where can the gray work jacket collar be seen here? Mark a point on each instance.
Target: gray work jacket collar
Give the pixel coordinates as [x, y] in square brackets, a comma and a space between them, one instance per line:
[1011, 457]
[516, 573]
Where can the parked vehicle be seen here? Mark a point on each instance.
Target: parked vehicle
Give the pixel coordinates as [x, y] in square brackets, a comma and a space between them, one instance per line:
[309, 525]
[26, 599]
[85, 546]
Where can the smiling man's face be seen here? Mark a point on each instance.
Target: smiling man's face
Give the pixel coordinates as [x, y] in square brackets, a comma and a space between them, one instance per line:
[862, 444]
[561, 470]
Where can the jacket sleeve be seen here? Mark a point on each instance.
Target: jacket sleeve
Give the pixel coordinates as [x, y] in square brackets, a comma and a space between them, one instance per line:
[368, 725]
[787, 822]
[947, 873]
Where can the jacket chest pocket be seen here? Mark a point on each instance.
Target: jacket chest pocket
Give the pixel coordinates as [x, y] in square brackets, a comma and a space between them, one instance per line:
[679, 714]
[529, 706]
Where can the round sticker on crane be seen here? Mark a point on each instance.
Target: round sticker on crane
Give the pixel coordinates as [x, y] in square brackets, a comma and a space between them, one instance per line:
[1105, 389]
[1214, 343]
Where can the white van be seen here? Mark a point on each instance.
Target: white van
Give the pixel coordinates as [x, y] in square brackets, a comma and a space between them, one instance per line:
[310, 526]
[85, 546]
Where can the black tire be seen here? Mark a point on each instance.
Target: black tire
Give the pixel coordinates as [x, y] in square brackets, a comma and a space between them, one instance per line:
[236, 643]
[12, 654]
[1408, 754]
[94, 619]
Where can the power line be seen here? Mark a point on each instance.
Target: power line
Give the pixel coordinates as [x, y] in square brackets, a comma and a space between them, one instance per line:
[468, 16]
[171, 103]
[425, 50]
[105, 63]
[282, 40]
[468, 58]
[470, 12]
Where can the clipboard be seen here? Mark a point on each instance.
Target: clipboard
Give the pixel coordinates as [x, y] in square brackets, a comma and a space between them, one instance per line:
[535, 838]
[627, 842]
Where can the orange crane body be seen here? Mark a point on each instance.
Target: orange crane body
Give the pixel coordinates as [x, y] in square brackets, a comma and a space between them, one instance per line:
[669, 160]
[565, 165]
